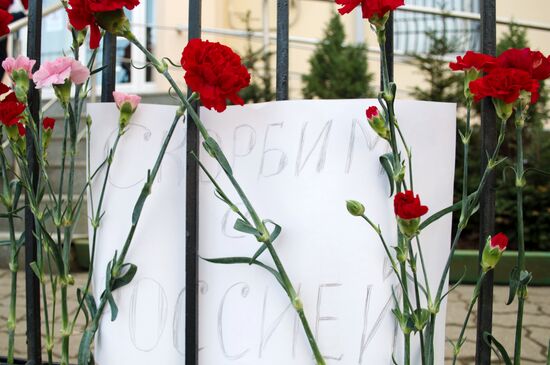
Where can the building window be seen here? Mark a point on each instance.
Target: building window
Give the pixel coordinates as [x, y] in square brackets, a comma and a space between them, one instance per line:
[411, 28]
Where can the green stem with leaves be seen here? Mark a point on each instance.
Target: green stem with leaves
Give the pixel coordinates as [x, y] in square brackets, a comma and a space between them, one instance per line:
[216, 153]
[520, 183]
[468, 208]
[96, 218]
[473, 301]
[116, 267]
[388, 95]
[10, 204]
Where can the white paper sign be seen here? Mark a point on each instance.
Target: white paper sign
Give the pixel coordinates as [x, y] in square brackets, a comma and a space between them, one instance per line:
[298, 161]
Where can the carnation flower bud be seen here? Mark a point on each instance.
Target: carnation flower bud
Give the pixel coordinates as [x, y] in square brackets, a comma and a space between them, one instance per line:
[127, 104]
[377, 122]
[63, 92]
[504, 110]
[48, 124]
[379, 23]
[409, 227]
[493, 250]
[355, 208]
[114, 22]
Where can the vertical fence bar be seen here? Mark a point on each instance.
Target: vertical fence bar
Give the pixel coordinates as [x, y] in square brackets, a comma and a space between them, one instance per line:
[32, 286]
[487, 201]
[282, 49]
[389, 46]
[192, 217]
[108, 79]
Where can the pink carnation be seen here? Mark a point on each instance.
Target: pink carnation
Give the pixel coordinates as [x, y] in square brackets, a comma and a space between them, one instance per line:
[121, 98]
[58, 71]
[11, 64]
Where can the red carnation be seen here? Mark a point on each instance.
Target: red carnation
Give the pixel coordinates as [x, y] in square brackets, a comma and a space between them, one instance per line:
[500, 241]
[48, 123]
[407, 206]
[379, 8]
[370, 8]
[10, 112]
[25, 3]
[82, 14]
[478, 61]
[215, 72]
[5, 19]
[111, 5]
[372, 112]
[533, 62]
[505, 84]
[10, 108]
[347, 5]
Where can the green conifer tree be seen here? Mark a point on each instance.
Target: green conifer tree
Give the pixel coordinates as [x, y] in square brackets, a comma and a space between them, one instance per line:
[258, 63]
[337, 70]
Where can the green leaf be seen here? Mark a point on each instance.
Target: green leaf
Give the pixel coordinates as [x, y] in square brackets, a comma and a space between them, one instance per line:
[214, 150]
[83, 306]
[36, 270]
[497, 347]
[126, 278]
[453, 208]
[17, 194]
[242, 226]
[218, 190]
[272, 237]
[84, 349]
[53, 248]
[386, 162]
[276, 231]
[112, 304]
[421, 317]
[246, 260]
[21, 241]
[97, 70]
[90, 303]
[514, 285]
[525, 278]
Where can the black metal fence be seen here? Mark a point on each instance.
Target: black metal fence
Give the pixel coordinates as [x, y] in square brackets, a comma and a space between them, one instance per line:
[487, 207]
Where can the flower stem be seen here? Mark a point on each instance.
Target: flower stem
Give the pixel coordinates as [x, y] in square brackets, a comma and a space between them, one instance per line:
[389, 97]
[475, 295]
[96, 218]
[468, 208]
[522, 290]
[7, 199]
[417, 298]
[254, 215]
[492, 163]
[466, 144]
[296, 302]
